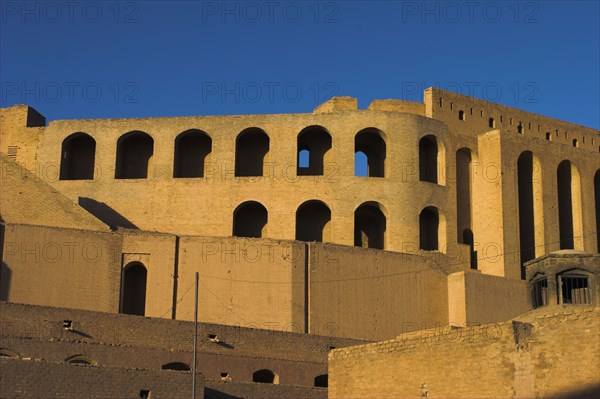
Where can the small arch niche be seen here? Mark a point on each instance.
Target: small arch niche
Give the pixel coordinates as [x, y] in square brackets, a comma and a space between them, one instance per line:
[322, 381]
[80, 360]
[265, 376]
[176, 366]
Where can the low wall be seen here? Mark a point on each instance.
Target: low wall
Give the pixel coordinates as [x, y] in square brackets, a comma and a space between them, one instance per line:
[37, 379]
[373, 294]
[61, 267]
[113, 340]
[475, 298]
[315, 288]
[554, 356]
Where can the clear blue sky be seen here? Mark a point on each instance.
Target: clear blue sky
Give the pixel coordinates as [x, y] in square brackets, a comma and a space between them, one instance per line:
[99, 59]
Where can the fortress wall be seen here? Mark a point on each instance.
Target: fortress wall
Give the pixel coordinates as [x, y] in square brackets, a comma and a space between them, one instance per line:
[496, 195]
[258, 283]
[374, 294]
[34, 379]
[550, 156]
[478, 121]
[496, 229]
[204, 206]
[475, 298]
[44, 323]
[503, 360]
[238, 367]
[61, 267]
[496, 218]
[112, 340]
[247, 282]
[564, 353]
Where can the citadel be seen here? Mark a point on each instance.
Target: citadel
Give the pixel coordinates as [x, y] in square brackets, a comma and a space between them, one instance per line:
[444, 248]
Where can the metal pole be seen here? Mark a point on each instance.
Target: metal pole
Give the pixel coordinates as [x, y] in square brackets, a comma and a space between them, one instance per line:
[195, 339]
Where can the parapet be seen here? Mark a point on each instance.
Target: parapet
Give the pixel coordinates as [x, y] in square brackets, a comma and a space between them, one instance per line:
[341, 103]
[391, 105]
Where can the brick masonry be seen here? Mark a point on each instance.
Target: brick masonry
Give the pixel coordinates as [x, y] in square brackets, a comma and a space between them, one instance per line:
[550, 352]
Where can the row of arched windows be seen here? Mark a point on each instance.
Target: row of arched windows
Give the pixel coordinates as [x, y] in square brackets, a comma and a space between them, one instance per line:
[192, 147]
[313, 223]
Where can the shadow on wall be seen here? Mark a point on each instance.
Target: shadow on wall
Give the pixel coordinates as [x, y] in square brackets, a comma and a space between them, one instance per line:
[5, 272]
[5, 277]
[105, 213]
[591, 392]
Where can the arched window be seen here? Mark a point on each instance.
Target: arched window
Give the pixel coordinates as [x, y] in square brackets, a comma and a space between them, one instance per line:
[461, 115]
[597, 195]
[369, 226]
[134, 289]
[491, 123]
[251, 149]
[428, 159]
[569, 206]
[265, 376]
[429, 222]
[134, 151]
[548, 136]
[250, 220]
[80, 359]
[78, 155]
[575, 143]
[312, 222]
[322, 380]
[177, 366]
[191, 149]
[531, 225]
[314, 142]
[371, 143]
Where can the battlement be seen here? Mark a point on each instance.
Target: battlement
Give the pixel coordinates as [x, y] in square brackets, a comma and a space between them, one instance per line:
[464, 115]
